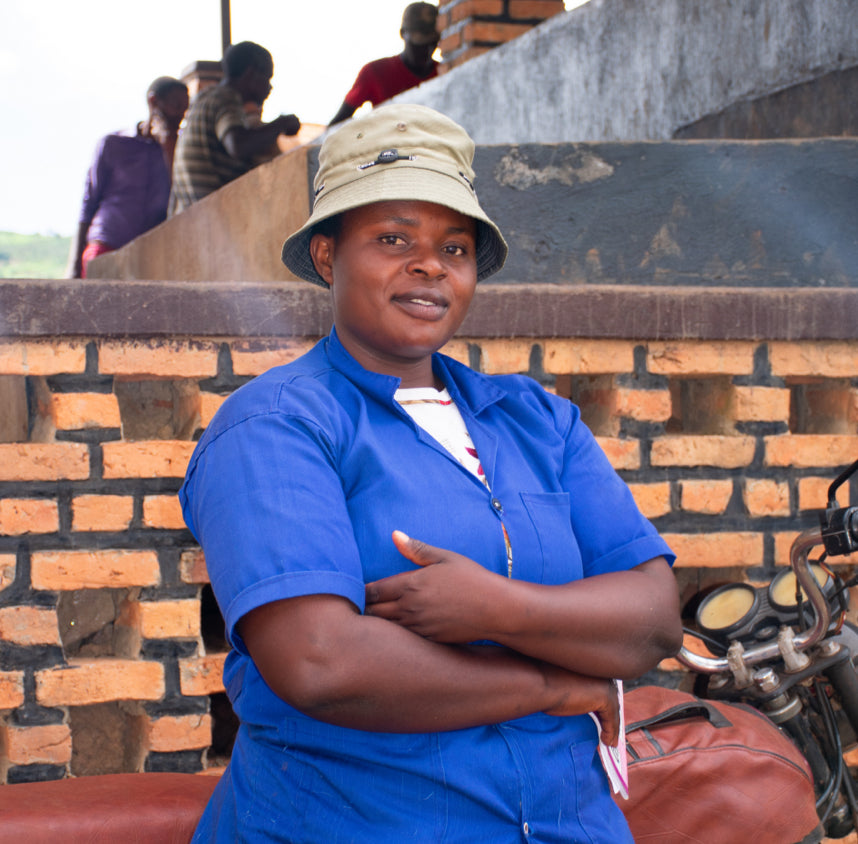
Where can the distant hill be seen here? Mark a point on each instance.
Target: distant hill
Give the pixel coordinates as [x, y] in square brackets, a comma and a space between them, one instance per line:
[33, 255]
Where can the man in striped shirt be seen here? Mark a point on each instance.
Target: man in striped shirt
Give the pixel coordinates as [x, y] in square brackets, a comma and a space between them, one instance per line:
[218, 144]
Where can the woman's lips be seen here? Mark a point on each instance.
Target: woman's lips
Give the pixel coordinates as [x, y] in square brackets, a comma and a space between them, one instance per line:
[422, 306]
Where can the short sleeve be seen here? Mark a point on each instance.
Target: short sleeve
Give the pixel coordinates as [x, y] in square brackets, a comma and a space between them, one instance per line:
[266, 504]
[364, 88]
[612, 532]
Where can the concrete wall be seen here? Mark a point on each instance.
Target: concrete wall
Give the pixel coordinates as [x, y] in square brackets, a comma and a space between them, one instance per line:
[641, 69]
[774, 213]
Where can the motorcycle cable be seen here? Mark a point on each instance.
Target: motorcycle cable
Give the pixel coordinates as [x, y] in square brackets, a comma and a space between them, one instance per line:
[843, 778]
[829, 795]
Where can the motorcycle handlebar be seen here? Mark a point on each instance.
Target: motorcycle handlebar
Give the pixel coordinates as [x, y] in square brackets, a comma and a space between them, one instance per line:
[801, 641]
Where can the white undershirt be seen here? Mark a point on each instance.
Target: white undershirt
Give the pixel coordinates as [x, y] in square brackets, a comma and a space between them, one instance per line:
[435, 412]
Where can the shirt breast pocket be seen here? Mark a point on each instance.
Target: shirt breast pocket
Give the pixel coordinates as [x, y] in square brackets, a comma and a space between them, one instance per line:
[558, 549]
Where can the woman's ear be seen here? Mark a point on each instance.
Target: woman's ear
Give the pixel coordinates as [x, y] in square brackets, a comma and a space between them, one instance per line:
[322, 253]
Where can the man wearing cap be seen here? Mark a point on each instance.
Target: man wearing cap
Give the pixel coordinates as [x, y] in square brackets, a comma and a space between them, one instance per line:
[385, 78]
[429, 575]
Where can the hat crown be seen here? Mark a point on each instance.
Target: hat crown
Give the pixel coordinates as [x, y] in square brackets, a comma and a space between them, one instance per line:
[394, 136]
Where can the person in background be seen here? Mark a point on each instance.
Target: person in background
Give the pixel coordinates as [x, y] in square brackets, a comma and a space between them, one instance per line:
[220, 141]
[128, 183]
[385, 78]
[430, 576]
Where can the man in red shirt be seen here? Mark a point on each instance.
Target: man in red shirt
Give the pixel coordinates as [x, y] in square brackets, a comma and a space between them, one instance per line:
[385, 78]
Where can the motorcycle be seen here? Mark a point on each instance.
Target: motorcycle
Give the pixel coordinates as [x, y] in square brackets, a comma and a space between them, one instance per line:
[787, 650]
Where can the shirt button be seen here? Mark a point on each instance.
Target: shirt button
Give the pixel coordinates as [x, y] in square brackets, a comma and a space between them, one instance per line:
[497, 505]
[526, 828]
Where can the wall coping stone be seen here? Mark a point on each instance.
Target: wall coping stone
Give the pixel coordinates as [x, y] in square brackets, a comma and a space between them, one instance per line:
[105, 308]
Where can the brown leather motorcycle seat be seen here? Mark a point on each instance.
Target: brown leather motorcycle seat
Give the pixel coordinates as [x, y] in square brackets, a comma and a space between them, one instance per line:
[151, 808]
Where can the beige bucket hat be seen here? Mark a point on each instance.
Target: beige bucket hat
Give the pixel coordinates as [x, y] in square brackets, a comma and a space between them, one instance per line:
[396, 152]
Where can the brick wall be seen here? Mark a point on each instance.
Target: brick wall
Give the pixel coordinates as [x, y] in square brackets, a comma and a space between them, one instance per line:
[111, 647]
[470, 28]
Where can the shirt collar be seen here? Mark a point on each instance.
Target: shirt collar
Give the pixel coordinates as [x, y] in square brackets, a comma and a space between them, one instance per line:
[467, 388]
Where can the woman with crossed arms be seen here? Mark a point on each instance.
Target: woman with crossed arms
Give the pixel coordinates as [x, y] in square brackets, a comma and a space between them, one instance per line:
[429, 576]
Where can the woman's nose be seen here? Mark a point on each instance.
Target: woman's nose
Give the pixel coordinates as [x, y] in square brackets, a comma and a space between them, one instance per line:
[426, 261]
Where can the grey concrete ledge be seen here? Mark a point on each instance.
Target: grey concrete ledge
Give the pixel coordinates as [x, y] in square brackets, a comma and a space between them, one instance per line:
[51, 308]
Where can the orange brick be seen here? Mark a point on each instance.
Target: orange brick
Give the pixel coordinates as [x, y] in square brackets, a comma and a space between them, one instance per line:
[813, 493]
[102, 512]
[73, 411]
[255, 357]
[697, 358]
[716, 550]
[209, 405]
[711, 497]
[162, 511]
[760, 404]
[766, 498]
[506, 356]
[829, 360]
[67, 570]
[47, 745]
[808, 450]
[493, 32]
[158, 358]
[622, 454]
[147, 459]
[8, 569]
[643, 405]
[201, 675]
[29, 626]
[470, 53]
[783, 543]
[44, 462]
[192, 567]
[531, 9]
[169, 619]
[587, 357]
[451, 42]
[653, 500]
[690, 450]
[472, 8]
[28, 515]
[11, 689]
[38, 358]
[220, 770]
[184, 732]
[88, 681]
[671, 665]
[458, 350]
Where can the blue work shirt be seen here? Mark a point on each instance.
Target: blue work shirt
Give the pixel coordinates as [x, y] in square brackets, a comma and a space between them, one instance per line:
[294, 489]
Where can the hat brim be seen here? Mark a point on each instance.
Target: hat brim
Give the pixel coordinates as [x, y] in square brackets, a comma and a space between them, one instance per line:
[394, 183]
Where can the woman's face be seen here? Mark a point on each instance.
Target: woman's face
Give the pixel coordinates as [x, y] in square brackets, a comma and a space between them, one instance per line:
[402, 275]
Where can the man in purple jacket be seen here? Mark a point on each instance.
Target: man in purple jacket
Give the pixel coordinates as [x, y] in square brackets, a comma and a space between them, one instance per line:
[128, 183]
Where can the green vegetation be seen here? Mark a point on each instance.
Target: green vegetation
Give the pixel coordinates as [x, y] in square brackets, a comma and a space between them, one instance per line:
[33, 255]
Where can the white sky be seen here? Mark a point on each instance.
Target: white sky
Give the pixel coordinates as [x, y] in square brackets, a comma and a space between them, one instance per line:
[74, 70]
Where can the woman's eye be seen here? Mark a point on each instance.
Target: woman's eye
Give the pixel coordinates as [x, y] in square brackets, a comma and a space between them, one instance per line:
[455, 249]
[391, 239]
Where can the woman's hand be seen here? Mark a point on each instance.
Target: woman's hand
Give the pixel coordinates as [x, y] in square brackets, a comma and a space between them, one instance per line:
[587, 694]
[450, 599]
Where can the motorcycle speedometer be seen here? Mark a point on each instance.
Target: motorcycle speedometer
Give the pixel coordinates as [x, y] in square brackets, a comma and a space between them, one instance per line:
[782, 590]
[727, 609]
